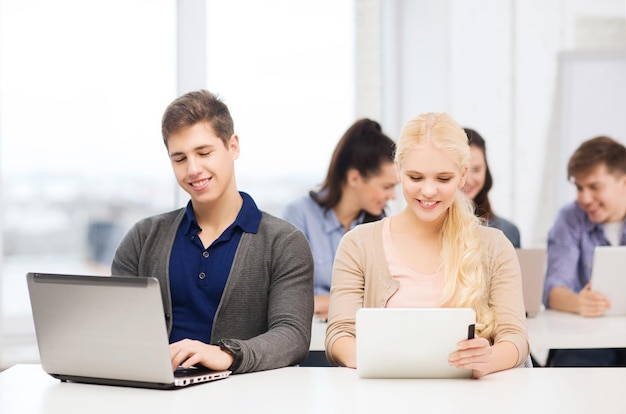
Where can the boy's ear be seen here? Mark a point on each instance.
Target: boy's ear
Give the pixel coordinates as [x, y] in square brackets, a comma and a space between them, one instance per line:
[233, 146]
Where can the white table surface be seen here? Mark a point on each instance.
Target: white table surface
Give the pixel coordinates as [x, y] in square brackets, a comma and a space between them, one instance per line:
[27, 389]
[552, 329]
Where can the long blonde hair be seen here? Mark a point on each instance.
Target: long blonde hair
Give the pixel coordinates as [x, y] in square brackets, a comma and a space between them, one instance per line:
[465, 273]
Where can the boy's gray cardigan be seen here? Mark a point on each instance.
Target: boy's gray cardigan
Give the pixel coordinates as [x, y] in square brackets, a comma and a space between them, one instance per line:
[267, 304]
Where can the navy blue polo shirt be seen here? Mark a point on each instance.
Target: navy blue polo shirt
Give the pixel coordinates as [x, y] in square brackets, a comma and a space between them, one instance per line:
[198, 275]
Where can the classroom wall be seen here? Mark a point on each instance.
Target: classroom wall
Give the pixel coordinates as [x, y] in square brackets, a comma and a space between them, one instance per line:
[493, 65]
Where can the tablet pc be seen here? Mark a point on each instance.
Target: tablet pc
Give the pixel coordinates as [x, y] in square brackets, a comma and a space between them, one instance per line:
[411, 342]
[608, 276]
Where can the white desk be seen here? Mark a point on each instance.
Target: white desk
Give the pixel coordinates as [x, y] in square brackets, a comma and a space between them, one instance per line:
[318, 335]
[26, 389]
[552, 329]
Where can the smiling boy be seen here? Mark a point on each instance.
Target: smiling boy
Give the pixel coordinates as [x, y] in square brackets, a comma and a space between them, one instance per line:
[237, 283]
[598, 170]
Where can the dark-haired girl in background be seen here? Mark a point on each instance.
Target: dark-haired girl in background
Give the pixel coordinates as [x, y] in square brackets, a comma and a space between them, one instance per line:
[360, 180]
[478, 184]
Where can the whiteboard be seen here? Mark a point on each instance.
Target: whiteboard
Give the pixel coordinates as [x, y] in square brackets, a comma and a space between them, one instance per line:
[592, 90]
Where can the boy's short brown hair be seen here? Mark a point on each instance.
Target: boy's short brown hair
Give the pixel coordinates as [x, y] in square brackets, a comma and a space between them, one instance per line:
[194, 107]
[596, 151]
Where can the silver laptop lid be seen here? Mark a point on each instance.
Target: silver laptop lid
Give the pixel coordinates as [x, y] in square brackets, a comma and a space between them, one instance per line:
[100, 327]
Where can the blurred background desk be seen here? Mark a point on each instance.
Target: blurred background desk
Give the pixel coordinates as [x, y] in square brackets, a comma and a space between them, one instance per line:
[549, 329]
[552, 329]
[317, 354]
[318, 335]
[27, 389]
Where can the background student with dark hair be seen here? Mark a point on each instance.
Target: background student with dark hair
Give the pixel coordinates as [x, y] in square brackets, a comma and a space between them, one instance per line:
[360, 180]
[479, 183]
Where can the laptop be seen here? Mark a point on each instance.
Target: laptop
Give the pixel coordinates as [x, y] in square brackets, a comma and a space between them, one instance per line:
[107, 330]
[411, 342]
[533, 264]
[608, 276]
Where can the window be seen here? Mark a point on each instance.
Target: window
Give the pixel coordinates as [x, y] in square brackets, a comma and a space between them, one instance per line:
[82, 89]
[83, 86]
[286, 71]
